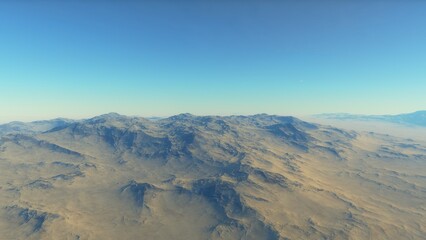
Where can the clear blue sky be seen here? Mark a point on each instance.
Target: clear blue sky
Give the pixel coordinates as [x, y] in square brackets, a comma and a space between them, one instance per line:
[157, 58]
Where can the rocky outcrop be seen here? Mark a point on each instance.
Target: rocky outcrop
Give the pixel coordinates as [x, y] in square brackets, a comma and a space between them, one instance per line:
[137, 191]
[35, 219]
[222, 194]
[40, 184]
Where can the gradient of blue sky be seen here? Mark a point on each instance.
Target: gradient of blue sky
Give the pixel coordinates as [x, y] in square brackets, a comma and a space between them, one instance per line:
[157, 58]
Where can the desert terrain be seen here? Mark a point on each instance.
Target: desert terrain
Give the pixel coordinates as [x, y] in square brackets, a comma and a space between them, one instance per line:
[208, 177]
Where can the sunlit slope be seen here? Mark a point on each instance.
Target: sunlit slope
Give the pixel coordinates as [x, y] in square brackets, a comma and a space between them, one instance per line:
[188, 177]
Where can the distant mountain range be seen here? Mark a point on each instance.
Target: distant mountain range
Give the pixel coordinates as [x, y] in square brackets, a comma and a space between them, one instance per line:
[414, 119]
[33, 127]
[207, 177]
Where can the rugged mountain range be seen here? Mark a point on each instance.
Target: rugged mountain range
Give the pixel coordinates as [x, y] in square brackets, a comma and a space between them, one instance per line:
[209, 177]
[412, 119]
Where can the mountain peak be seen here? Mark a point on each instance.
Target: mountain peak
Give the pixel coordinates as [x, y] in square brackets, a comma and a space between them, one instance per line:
[182, 116]
[111, 115]
[107, 118]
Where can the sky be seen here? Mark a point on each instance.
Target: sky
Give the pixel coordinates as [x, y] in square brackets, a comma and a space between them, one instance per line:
[78, 59]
